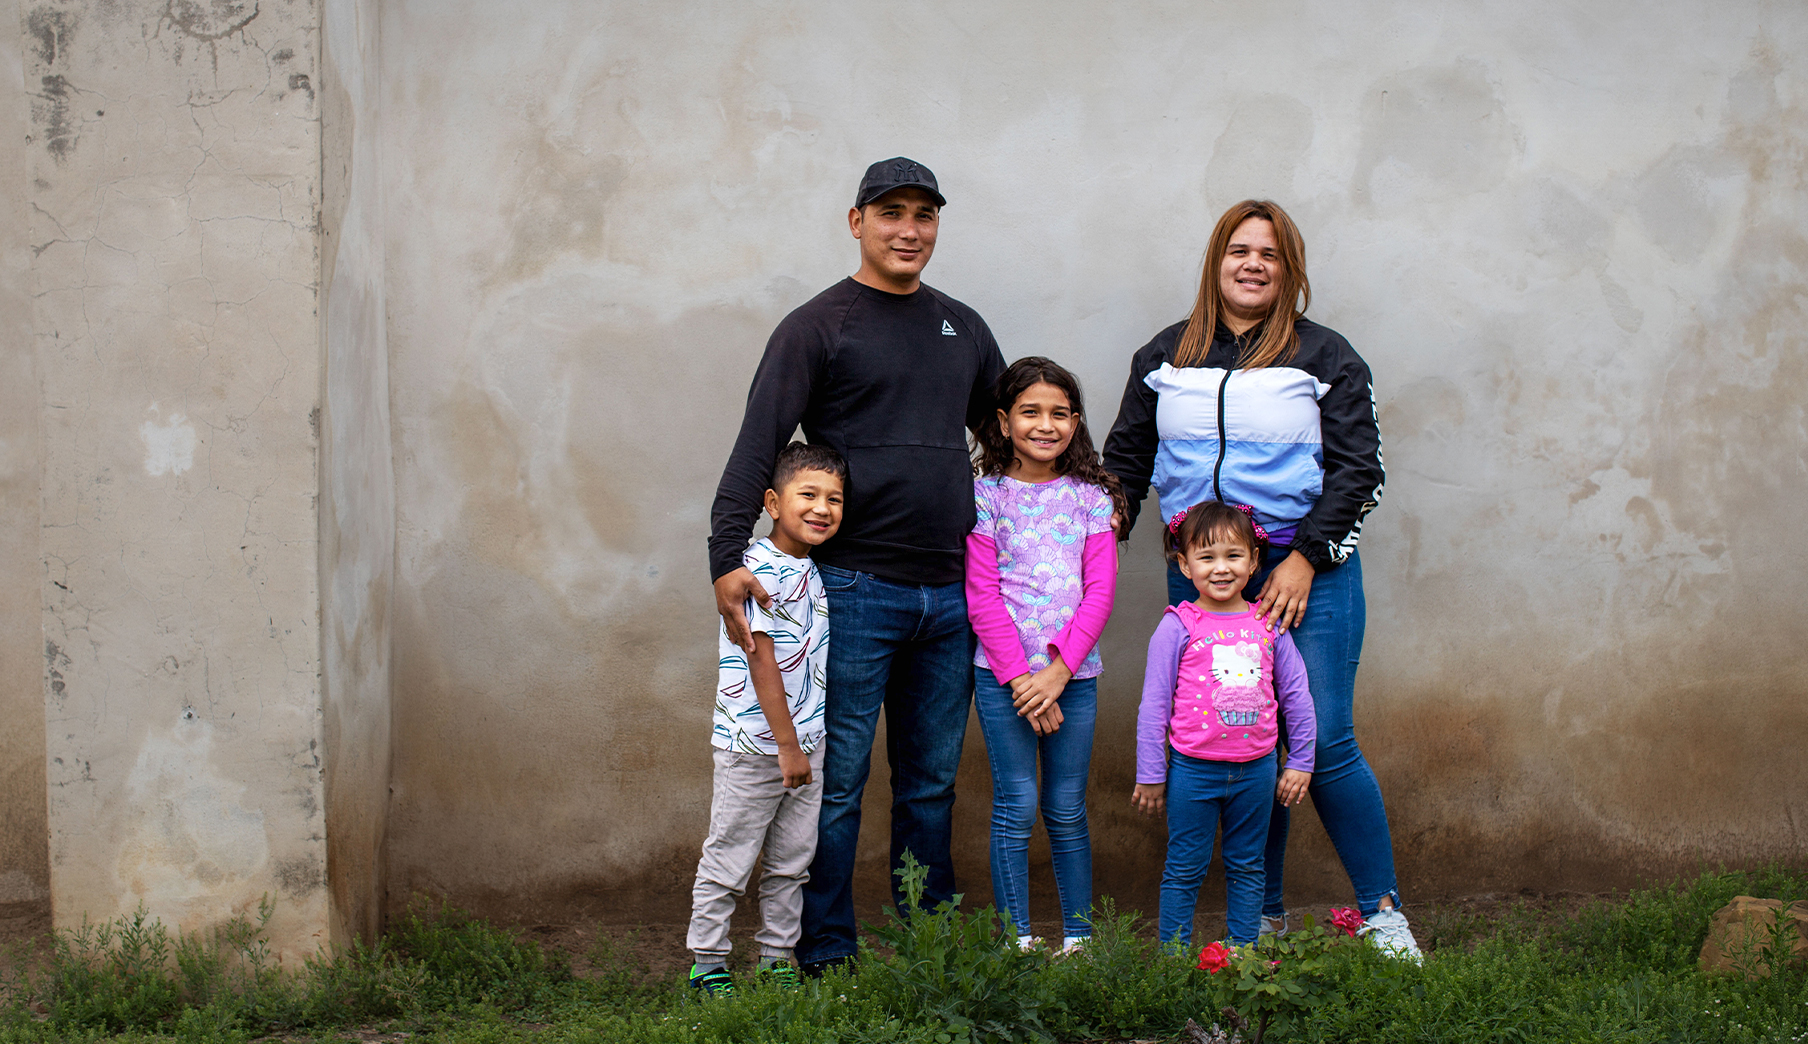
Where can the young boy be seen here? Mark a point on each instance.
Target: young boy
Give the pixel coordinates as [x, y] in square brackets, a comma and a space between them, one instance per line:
[769, 729]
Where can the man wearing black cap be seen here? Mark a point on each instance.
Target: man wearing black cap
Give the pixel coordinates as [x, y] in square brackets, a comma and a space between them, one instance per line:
[891, 373]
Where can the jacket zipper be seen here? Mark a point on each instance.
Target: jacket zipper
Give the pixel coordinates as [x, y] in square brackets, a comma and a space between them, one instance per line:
[1218, 490]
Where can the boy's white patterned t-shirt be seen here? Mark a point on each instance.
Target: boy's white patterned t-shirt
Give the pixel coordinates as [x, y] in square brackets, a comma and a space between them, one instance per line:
[798, 622]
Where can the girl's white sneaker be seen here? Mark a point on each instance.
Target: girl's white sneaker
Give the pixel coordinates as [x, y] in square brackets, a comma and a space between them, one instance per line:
[1388, 930]
[1029, 942]
[1073, 944]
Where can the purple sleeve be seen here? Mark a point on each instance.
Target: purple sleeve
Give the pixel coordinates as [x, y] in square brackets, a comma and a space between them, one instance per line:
[1291, 692]
[986, 612]
[1098, 590]
[1158, 699]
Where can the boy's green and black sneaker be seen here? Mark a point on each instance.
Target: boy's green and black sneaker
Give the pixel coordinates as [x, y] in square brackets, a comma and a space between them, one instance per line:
[716, 981]
[781, 973]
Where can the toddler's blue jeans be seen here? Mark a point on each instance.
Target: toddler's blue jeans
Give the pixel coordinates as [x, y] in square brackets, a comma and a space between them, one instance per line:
[1013, 749]
[1201, 795]
[1343, 790]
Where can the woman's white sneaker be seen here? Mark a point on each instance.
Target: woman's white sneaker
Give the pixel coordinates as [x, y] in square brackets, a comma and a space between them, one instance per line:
[1389, 932]
[1275, 926]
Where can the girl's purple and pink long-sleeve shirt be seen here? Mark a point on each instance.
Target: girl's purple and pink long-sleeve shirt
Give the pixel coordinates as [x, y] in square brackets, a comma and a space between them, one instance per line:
[1217, 687]
[1041, 574]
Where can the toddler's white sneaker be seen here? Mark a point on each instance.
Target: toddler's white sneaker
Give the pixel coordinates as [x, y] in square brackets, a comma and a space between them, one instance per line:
[1389, 932]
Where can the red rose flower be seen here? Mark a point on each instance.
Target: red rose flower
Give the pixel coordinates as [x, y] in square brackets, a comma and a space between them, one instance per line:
[1347, 919]
[1214, 958]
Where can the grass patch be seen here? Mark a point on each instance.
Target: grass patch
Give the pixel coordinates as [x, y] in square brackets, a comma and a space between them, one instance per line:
[1614, 972]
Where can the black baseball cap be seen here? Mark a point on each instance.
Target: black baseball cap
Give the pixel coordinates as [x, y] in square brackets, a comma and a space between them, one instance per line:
[896, 173]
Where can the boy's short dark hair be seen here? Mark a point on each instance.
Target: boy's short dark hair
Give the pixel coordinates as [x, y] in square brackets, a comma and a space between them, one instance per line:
[804, 456]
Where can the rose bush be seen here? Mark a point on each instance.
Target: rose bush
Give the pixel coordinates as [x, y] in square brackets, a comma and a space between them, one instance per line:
[1275, 978]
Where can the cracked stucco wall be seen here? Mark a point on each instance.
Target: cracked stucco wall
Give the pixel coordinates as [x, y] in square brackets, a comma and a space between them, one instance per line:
[357, 503]
[174, 162]
[24, 867]
[1569, 239]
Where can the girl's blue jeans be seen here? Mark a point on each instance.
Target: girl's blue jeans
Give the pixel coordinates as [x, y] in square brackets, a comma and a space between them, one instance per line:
[1065, 757]
[1201, 795]
[1343, 787]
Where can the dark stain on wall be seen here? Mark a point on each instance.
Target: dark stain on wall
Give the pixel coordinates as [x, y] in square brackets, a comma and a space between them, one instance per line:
[209, 21]
[1444, 123]
[299, 877]
[56, 662]
[49, 29]
[51, 114]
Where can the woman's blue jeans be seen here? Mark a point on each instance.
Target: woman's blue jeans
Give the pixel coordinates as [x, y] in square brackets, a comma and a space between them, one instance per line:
[904, 649]
[1201, 795]
[1013, 748]
[1344, 791]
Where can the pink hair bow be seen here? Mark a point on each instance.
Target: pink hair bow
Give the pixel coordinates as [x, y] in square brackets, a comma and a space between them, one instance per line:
[1250, 513]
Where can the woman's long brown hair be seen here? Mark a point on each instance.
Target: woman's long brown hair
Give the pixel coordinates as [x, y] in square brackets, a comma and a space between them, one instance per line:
[1278, 339]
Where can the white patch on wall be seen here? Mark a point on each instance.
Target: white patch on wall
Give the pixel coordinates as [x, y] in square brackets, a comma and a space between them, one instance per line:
[169, 447]
[192, 848]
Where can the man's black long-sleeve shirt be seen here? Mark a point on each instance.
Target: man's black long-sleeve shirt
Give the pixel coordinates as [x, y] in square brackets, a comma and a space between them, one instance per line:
[892, 382]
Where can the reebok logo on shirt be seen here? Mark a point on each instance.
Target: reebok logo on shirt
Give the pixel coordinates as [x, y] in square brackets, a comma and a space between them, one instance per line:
[947, 331]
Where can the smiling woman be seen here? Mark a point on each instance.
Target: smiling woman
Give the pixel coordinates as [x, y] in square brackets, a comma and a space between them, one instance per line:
[1248, 403]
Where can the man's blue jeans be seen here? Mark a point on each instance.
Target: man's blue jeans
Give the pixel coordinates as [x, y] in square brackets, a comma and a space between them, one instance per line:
[1201, 795]
[905, 648]
[1013, 749]
[1343, 790]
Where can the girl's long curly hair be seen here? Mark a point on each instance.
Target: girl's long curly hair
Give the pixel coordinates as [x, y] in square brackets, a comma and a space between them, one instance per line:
[993, 453]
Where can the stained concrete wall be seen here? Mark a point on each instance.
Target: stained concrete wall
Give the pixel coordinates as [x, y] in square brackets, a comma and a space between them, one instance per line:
[1568, 239]
[175, 162]
[357, 483]
[24, 866]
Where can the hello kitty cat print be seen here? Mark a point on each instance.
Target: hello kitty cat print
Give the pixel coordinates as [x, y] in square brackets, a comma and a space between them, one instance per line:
[1238, 670]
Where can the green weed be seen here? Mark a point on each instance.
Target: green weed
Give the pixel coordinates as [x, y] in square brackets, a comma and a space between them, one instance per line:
[963, 970]
[1123, 983]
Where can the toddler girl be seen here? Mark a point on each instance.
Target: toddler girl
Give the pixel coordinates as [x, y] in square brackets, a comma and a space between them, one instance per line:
[1215, 681]
[1041, 575]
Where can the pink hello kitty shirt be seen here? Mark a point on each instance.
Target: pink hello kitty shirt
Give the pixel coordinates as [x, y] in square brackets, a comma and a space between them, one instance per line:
[1041, 574]
[1212, 690]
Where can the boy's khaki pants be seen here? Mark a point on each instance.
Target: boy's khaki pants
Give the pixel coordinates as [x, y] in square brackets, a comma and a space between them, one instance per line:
[749, 811]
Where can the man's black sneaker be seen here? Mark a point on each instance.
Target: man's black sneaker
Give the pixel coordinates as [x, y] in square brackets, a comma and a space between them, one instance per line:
[816, 969]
